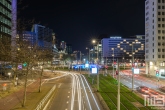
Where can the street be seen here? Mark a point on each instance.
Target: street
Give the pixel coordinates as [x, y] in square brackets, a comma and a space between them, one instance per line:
[73, 93]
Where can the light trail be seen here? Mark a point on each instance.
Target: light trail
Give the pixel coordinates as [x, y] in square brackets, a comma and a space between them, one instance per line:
[73, 91]
[91, 93]
[79, 86]
[86, 94]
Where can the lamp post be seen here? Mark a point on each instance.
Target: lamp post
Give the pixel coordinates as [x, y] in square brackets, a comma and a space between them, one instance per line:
[9, 75]
[118, 90]
[94, 41]
[89, 62]
[113, 61]
[132, 67]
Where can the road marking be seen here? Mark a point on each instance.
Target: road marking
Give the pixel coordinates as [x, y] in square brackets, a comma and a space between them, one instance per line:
[68, 96]
[67, 102]
[59, 85]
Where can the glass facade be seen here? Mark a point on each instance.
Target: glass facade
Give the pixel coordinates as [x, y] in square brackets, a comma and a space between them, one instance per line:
[5, 18]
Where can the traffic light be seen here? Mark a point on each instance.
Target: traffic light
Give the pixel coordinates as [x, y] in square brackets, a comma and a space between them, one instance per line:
[157, 73]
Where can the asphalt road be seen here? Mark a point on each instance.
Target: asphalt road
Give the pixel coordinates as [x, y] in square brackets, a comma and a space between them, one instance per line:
[73, 93]
[126, 79]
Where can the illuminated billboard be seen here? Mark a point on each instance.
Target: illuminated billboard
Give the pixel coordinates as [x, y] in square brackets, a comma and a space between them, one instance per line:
[136, 71]
[94, 70]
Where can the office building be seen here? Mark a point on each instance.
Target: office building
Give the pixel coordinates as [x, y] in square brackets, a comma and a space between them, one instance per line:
[43, 35]
[123, 49]
[155, 36]
[5, 19]
[29, 37]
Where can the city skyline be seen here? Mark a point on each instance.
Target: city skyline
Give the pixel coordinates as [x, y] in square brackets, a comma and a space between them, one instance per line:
[78, 22]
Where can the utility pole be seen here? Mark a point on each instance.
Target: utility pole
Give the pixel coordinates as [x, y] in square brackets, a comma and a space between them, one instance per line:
[89, 63]
[97, 78]
[118, 90]
[80, 61]
[97, 53]
[132, 69]
[113, 62]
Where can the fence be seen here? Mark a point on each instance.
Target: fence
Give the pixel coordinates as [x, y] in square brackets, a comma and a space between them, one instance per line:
[45, 99]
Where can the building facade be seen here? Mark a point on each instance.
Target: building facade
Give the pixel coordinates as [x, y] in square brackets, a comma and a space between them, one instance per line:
[63, 45]
[28, 36]
[5, 19]
[123, 49]
[69, 48]
[155, 36]
[43, 35]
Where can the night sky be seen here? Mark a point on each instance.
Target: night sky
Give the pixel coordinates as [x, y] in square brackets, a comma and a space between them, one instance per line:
[79, 21]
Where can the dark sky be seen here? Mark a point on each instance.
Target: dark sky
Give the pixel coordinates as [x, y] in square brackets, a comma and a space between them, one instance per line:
[79, 21]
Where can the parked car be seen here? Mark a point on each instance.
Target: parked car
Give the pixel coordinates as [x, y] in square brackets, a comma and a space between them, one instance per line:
[6, 70]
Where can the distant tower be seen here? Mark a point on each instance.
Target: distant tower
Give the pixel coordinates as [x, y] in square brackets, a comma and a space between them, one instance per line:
[155, 36]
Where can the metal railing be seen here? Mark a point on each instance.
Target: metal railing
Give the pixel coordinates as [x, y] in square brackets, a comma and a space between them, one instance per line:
[45, 99]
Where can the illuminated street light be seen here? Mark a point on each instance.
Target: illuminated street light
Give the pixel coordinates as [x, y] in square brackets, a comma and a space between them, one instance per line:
[94, 41]
[9, 75]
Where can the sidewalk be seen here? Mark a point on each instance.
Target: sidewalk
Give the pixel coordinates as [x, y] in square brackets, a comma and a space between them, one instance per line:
[13, 101]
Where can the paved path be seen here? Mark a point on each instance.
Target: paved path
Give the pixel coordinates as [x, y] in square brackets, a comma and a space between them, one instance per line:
[10, 101]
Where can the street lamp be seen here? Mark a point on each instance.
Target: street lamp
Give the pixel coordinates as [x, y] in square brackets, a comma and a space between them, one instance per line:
[132, 66]
[9, 75]
[94, 41]
[88, 61]
[118, 90]
[113, 60]
[97, 48]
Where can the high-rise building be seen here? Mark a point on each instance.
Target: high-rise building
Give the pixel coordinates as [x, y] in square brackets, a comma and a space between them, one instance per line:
[155, 36]
[5, 19]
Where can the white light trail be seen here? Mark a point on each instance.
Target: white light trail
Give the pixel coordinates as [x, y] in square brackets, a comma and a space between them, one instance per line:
[91, 93]
[86, 94]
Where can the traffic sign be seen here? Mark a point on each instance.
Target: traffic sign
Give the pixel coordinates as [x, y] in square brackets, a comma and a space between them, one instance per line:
[24, 64]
